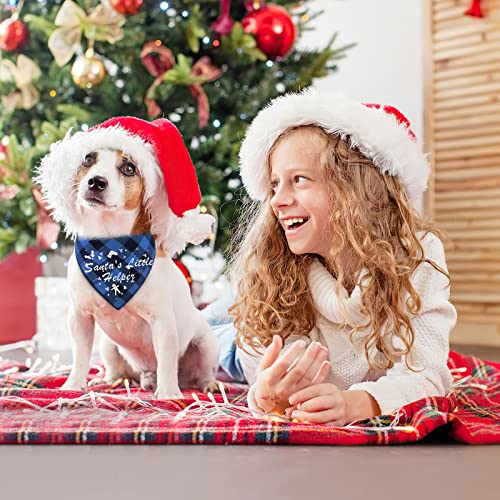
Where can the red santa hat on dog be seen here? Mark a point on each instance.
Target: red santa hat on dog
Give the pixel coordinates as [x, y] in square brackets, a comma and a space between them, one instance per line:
[172, 194]
[381, 133]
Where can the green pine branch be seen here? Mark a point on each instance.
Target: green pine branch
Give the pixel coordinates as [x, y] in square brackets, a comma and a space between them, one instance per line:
[248, 81]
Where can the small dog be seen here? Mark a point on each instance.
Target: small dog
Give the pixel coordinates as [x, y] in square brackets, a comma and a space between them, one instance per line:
[132, 177]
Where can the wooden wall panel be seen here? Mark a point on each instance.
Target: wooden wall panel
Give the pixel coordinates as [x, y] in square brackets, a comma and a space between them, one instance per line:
[462, 133]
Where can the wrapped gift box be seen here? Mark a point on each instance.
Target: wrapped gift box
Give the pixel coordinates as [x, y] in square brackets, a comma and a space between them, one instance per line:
[17, 297]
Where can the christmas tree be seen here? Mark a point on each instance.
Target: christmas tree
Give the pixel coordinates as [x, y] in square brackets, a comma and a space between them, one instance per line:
[207, 65]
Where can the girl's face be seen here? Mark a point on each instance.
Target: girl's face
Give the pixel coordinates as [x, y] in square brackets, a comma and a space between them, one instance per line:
[300, 200]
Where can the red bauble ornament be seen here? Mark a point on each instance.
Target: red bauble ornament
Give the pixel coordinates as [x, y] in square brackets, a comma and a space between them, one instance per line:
[127, 7]
[14, 35]
[273, 28]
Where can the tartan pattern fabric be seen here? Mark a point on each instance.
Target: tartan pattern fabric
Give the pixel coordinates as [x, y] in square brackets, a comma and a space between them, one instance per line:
[31, 412]
[116, 267]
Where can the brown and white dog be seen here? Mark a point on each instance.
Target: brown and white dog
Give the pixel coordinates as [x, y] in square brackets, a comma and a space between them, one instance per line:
[125, 177]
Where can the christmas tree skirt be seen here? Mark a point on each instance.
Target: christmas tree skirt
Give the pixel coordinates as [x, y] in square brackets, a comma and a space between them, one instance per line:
[33, 410]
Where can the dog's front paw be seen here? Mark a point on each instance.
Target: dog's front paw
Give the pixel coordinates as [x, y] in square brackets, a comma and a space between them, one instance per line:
[72, 385]
[169, 394]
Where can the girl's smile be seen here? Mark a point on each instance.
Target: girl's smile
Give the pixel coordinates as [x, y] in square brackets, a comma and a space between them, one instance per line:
[292, 225]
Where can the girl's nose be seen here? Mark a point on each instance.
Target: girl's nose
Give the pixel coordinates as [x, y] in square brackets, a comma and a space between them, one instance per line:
[281, 198]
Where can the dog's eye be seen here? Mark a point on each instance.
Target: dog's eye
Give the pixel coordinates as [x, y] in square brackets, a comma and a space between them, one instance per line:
[128, 169]
[90, 159]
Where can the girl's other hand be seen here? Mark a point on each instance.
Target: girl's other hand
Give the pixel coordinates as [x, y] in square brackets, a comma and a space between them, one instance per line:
[280, 377]
[320, 404]
[327, 404]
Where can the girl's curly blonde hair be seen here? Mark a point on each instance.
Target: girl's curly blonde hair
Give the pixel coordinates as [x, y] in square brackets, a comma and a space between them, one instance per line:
[373, 226]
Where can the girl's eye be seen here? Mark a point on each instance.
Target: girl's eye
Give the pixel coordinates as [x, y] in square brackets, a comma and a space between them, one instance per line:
[274, 186]
[128, 169]
[300, 178]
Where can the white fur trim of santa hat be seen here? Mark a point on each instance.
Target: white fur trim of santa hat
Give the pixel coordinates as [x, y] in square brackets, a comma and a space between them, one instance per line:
[376, 133]
[57, 170]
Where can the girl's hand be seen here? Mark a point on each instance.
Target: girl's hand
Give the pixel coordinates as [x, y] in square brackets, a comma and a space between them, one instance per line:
[327, 404]
[320, 404]
[280, 377]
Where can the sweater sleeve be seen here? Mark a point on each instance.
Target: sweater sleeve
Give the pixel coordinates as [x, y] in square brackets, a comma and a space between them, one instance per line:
[429, 355]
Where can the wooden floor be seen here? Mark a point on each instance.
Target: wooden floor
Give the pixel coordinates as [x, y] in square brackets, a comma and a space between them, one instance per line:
[410, 472]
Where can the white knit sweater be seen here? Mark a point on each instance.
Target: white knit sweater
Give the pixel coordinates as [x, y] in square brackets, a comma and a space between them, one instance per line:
[398, 385]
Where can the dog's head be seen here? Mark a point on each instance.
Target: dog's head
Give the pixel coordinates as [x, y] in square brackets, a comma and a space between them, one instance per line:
[126, 167]
[109, 180]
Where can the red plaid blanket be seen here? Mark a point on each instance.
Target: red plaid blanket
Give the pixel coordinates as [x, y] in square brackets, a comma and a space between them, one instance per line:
[33, 410]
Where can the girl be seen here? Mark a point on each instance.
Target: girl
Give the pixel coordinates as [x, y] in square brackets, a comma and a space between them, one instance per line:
[342, 308]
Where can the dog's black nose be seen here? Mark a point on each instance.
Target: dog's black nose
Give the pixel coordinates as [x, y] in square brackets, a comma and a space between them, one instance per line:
[97, 183]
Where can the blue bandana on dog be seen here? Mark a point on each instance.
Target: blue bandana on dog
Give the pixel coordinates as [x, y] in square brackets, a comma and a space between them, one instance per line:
[116, 267]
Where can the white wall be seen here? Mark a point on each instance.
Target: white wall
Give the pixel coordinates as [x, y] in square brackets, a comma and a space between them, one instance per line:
[386, 65]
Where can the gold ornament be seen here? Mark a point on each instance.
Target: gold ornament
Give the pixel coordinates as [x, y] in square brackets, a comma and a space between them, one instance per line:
[88, 70]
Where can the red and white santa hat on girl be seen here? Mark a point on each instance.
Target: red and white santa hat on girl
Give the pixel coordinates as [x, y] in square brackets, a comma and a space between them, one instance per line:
[381, 133]
[172, 194]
